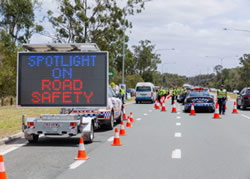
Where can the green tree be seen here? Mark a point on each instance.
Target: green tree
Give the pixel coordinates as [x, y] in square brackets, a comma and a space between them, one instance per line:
[17, 18]
[99, 21]
[8, 56]
[245, 70]
[145, 61]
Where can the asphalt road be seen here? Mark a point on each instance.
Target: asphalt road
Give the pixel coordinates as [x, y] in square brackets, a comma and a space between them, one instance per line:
[160, 145]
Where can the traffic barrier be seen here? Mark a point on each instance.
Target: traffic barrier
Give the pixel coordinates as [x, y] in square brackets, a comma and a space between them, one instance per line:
[122, 130]
[192, 111]
[174, 108]
[124, 113]
[128, 125]
[235, 111]
[131, 117]
[2, 168]
[163, 108]
[116, 141]
[81, 151]
[216, 113]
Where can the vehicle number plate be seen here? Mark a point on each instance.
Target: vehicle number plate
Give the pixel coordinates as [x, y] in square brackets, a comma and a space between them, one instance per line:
[143, 94]
[51, 125]
[199, 101]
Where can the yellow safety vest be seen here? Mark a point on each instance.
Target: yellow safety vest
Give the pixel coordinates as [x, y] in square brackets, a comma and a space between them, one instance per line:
[222, 93]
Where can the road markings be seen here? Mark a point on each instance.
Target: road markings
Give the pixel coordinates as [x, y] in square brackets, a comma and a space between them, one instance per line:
[178, 117]
[110, 139]
[177, 134]
[145, 114]
[176, 154]
[76, 164]
[178, 123]
[13, 148]
[138, 119]
[245, 116]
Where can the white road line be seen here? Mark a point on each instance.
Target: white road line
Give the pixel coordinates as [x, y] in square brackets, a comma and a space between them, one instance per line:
[76, 164]
[13, 148]
[176, 154]
[177, 134]
[178, 117]
[145, 114]
[178, 123]
[138, 119]
[245, 116]
[110, 139]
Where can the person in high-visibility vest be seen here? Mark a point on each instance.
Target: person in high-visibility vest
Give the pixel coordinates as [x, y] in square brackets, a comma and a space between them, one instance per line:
[222, 97]
[173, 95]
[122, 93]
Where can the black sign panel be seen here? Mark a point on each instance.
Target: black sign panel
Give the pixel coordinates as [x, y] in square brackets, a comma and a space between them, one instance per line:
[62, 79]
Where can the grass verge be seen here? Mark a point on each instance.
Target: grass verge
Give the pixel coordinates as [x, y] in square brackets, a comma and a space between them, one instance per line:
[11, 118]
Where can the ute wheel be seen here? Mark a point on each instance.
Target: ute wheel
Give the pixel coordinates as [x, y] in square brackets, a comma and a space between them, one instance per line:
[110, 125]
[35, 138]
[136, 102]
[91, 134]
[238, 106]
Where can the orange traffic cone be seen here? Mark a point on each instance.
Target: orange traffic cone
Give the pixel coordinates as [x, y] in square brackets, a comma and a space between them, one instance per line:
[216, 114]
[116, 141]
[129, 125]
[174, 108]
[158, 105]
[124, 113]
[122, 130]
[225, 106]
[235, 111]
[192, 112]
[81, 152]
[163, 108]
[2, 168]
[131, 117]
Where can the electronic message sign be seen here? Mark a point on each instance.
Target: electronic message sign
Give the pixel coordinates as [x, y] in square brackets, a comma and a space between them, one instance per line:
[68, 79]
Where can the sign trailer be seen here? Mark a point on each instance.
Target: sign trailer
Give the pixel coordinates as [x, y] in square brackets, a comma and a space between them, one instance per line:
[62, 79]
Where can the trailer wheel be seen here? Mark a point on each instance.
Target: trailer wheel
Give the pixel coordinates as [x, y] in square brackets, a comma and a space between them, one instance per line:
[34, 138]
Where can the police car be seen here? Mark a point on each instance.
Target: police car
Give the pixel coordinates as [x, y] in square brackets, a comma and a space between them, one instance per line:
[107, 116]
[202, 100]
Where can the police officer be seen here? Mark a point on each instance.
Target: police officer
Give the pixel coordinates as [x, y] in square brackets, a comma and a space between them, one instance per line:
[173, 94]
[222, 97]
[122, 94]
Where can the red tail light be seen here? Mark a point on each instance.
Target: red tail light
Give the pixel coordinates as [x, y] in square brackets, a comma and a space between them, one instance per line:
[135, 93]
[152, 93]
[73, 124]
[30, 124]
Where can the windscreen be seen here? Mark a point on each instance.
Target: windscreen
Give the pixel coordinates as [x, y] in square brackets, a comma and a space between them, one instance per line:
[143, 88]
[248, 91]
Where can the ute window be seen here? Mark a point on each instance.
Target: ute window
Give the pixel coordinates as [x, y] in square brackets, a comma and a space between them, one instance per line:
[248, 91]
[143, 88]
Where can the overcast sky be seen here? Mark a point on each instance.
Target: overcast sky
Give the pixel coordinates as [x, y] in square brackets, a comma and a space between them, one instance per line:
[194, 28]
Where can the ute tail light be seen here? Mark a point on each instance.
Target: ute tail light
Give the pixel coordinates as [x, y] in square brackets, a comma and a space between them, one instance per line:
[100, 115]
[152, 93]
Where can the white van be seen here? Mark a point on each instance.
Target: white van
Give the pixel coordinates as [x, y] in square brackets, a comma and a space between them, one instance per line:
[145, 91]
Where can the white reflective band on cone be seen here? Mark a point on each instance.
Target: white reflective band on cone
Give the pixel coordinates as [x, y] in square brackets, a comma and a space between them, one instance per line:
[2, 168]
[122, 126]
[116, 135]
[81, 147]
